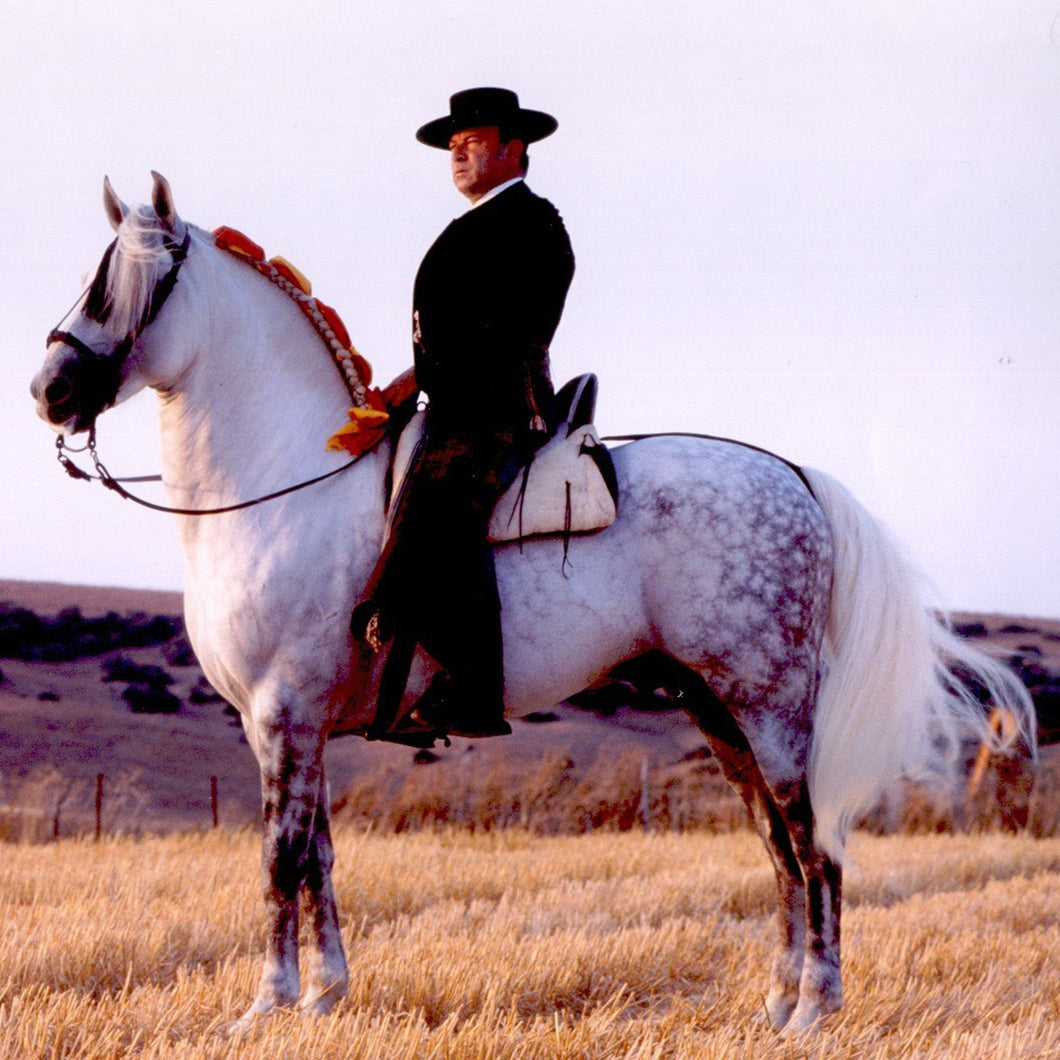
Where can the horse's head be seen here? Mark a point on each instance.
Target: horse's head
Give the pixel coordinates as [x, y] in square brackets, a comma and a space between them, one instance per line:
[91, 360]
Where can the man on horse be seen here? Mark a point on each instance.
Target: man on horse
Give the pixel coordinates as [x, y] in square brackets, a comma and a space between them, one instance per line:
[487, 300]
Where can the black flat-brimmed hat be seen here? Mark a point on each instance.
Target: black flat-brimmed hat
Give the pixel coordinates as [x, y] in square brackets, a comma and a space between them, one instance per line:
[487, 106]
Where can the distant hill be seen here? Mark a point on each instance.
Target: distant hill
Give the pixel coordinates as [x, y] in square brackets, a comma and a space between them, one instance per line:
[144, 717]
[49, 598]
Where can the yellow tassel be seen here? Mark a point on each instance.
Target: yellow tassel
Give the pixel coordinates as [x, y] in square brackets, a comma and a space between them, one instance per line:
[292, 274]
[364, 431]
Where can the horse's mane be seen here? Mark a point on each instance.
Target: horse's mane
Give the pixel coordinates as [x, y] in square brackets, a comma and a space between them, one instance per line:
[146, 253]
[140, 257]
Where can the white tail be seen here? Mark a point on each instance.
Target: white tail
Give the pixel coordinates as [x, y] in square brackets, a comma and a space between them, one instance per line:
[888, 699]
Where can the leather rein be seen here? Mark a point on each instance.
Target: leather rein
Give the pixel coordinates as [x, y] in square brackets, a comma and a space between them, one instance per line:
[115, 484]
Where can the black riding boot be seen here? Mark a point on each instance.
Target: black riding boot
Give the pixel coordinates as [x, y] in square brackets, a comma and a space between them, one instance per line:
[468, 698]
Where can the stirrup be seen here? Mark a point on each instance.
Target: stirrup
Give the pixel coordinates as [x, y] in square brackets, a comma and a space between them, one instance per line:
[436, 709]
[407, 738]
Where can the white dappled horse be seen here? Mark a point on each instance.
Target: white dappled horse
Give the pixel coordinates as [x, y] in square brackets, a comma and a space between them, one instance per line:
[790, 624]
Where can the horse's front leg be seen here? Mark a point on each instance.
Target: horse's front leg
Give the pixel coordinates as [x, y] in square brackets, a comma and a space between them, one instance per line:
[328, 977]
[294, 853]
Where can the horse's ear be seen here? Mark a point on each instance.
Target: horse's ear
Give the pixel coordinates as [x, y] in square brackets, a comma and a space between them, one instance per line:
[162, 200]
[116, 209]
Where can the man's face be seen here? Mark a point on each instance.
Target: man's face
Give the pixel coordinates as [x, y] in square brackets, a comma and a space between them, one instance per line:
[480, 161]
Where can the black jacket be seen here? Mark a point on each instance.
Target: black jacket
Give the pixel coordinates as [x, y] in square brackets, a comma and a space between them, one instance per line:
[486, 302]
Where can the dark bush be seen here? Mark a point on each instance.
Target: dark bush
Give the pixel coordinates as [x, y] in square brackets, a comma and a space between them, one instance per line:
[178, 652]
[142, 630]
[204, 692]
[69, 635]
[20, 632]
[122, 668]
[1047, 706]
[146, 699]
[540, 717]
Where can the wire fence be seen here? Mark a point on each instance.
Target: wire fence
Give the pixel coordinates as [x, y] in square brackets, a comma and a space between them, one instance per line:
[48, 806]
[549, 796]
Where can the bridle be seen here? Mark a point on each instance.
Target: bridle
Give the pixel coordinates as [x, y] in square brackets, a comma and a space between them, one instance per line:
[96, 309]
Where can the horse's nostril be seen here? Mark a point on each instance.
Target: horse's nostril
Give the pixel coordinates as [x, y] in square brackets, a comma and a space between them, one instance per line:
[57, 391]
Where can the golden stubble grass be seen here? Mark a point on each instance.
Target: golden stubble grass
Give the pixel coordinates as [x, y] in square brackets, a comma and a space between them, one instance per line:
[508, 945]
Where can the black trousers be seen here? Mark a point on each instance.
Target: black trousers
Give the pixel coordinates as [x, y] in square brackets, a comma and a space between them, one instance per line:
[435, 584]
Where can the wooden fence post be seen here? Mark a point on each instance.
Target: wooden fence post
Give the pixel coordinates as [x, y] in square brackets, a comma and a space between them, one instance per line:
[99, 806]
[56, 817]
[645, 798]
[213, 799]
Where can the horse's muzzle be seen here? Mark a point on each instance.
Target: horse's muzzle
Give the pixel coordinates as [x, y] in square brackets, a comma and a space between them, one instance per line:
[55, 389]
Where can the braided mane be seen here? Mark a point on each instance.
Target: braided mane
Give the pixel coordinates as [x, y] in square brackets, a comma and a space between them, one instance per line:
[120, 298]
[367, 418]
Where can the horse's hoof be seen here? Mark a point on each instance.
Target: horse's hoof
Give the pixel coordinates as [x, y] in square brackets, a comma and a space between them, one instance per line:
[780, 1004]
[807, 1017]
[250, 1020]
[239, 1028]
[321, 1002]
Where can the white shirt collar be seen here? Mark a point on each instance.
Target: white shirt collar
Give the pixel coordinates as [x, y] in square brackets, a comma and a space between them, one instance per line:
[494, 192]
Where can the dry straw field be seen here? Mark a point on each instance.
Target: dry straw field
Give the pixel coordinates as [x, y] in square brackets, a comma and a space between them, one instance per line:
[501, 899]
[510, 945]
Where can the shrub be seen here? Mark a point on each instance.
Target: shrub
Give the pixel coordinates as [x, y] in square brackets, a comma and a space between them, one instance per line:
[204, 692]
[146, 699]
[970, 629]
[122, 668]
[69, 635]
[20, 630]
[178, 652]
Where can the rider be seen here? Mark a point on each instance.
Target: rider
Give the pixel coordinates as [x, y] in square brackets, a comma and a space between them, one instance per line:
[487, 300]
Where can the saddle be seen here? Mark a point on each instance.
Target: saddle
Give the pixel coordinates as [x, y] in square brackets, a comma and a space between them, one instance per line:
[568, 487]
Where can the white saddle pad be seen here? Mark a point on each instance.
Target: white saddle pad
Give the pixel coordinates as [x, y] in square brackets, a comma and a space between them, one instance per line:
[562, 491]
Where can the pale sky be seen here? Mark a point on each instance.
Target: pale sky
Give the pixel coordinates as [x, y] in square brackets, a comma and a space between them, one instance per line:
[832, 230]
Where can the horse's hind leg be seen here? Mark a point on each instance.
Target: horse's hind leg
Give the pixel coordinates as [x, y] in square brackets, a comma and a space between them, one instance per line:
[765, 761]
[820, 986]
[737, 761]
[781, 751]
